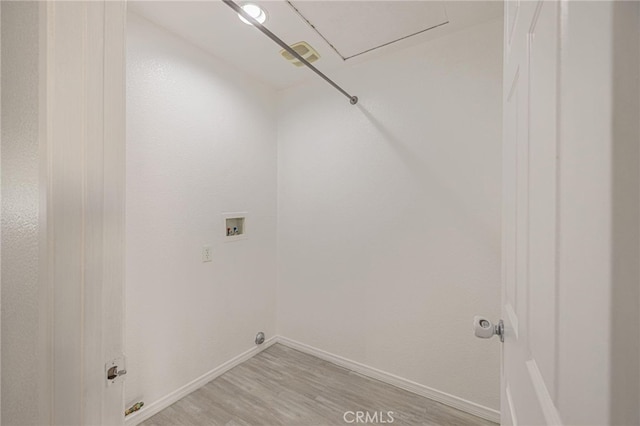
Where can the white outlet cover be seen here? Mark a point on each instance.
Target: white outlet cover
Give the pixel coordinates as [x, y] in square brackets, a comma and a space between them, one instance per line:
[207, 254]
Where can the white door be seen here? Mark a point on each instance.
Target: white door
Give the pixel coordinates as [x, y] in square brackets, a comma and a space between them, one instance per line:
[529, 212]
[570, 213]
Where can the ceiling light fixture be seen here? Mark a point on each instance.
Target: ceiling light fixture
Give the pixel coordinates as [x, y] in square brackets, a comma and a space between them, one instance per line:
[255, 12]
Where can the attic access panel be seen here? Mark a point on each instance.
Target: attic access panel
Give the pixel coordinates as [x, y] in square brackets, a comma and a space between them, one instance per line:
[356, 27]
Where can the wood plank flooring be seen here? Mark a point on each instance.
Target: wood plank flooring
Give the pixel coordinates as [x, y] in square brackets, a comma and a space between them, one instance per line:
[282, 386]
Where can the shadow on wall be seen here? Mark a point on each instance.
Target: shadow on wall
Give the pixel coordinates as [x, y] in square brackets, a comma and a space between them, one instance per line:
[480, 231]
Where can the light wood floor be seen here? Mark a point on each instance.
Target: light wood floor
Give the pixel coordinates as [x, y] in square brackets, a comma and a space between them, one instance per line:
[282, 386]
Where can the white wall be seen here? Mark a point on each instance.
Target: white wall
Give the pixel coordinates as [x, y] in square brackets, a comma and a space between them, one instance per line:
[201, 140]
[20, 209]
[389, 213]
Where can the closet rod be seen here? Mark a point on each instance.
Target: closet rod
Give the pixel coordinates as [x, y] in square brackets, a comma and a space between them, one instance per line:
[285, 46]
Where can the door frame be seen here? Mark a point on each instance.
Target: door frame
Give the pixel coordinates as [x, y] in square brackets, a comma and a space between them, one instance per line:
[82, 140]
[82, 127]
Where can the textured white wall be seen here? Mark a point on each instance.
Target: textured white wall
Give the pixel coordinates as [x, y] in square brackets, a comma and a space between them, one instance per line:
[20, 180]
[201, 140]
[389, 213]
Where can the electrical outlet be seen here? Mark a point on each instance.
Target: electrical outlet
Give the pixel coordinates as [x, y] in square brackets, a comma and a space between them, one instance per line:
[207, 254]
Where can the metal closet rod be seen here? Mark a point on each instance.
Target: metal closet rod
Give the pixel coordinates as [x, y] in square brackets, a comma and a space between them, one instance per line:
[352, 99]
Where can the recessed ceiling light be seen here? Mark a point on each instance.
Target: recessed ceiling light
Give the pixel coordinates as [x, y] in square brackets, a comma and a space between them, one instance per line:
[255, 12]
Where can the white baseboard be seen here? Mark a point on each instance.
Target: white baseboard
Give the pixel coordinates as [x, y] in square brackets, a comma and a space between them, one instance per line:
[408, 385]
[453, 401]
[155, 407]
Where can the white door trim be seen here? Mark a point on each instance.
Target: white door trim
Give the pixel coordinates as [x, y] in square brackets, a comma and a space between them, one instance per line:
[84, 145]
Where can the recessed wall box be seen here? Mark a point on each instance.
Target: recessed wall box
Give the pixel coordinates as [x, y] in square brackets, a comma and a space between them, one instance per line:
[235, 226]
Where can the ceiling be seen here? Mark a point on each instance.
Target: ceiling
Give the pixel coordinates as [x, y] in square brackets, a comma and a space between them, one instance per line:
[355, 30]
